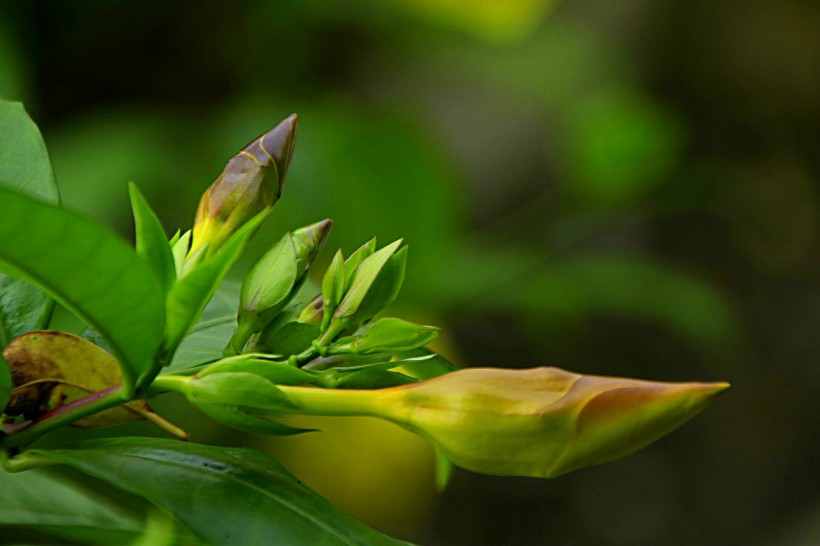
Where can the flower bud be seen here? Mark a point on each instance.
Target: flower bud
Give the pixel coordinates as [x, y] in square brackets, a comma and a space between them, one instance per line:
[313, 312]
[543, 422]
[370, 287]
[275, 279]
[540, 422]
[387, 335]
[308, 241]
[251, 182]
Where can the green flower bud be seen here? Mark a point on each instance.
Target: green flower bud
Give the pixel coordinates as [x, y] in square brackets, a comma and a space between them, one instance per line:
[251, 182]
[313, 312]
[235, 394]
[541, 422]
[275, 279]
[370, 287]
[333, 286]
[387, 335]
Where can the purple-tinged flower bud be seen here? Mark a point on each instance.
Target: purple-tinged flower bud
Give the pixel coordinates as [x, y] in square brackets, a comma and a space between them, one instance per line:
[251, 182]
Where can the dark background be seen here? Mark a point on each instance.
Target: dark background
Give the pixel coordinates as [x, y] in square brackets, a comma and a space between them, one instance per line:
[622, 188]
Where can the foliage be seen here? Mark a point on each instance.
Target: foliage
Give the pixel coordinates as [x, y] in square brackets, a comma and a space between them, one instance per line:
[150, 332]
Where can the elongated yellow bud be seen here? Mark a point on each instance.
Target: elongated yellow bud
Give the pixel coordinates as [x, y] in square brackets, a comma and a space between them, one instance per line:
[540, 422]
[544, 422]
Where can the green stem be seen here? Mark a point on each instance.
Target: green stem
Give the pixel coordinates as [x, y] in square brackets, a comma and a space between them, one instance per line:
[24, 462]
[318, 401]
[67, 414]
[246, 325]
[333, 330]
[302, 358]
[171, 383]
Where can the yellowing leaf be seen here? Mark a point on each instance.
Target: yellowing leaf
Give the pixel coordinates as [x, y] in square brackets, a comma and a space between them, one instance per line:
[50, 369]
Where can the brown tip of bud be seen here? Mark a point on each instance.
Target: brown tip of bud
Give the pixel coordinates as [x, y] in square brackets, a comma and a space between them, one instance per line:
[275, 148]
[279, 142]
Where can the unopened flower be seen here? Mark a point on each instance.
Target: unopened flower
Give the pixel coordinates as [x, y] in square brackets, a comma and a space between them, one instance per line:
[540, 422]
[251, 182]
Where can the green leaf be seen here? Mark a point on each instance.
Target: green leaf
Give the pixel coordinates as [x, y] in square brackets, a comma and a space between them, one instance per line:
[25, 168]
[206, 340]
[203, 345]
[179, 249]
[23, 308]
[24, 163]
[287, 338]
[5, 383]
[152, 243]
[226, 496]
[191, 293]
[371, 378]
[39, 500]
[347, 361]
[91, 272]
[416, 365]
[235, 417]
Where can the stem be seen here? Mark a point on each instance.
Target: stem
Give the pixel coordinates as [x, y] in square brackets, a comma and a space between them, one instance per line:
[21, 463]
[333, 330]
[244, 329]
[67, 414]
[171, 383]
[318, 401]
[298, 360]
[165, 425]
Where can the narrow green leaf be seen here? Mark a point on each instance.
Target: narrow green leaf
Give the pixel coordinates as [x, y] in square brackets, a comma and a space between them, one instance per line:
[191, 293]
[416, 365]
[235, 417]
[90, 271]
[5, 383]
[226, 496]
[174, 238]
[371, 378]
[25, 168]
[347, 361]
[42, 501]
[179, 249]
[152, 243]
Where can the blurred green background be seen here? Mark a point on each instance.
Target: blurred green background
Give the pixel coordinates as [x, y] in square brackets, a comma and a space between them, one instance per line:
[622, 188]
